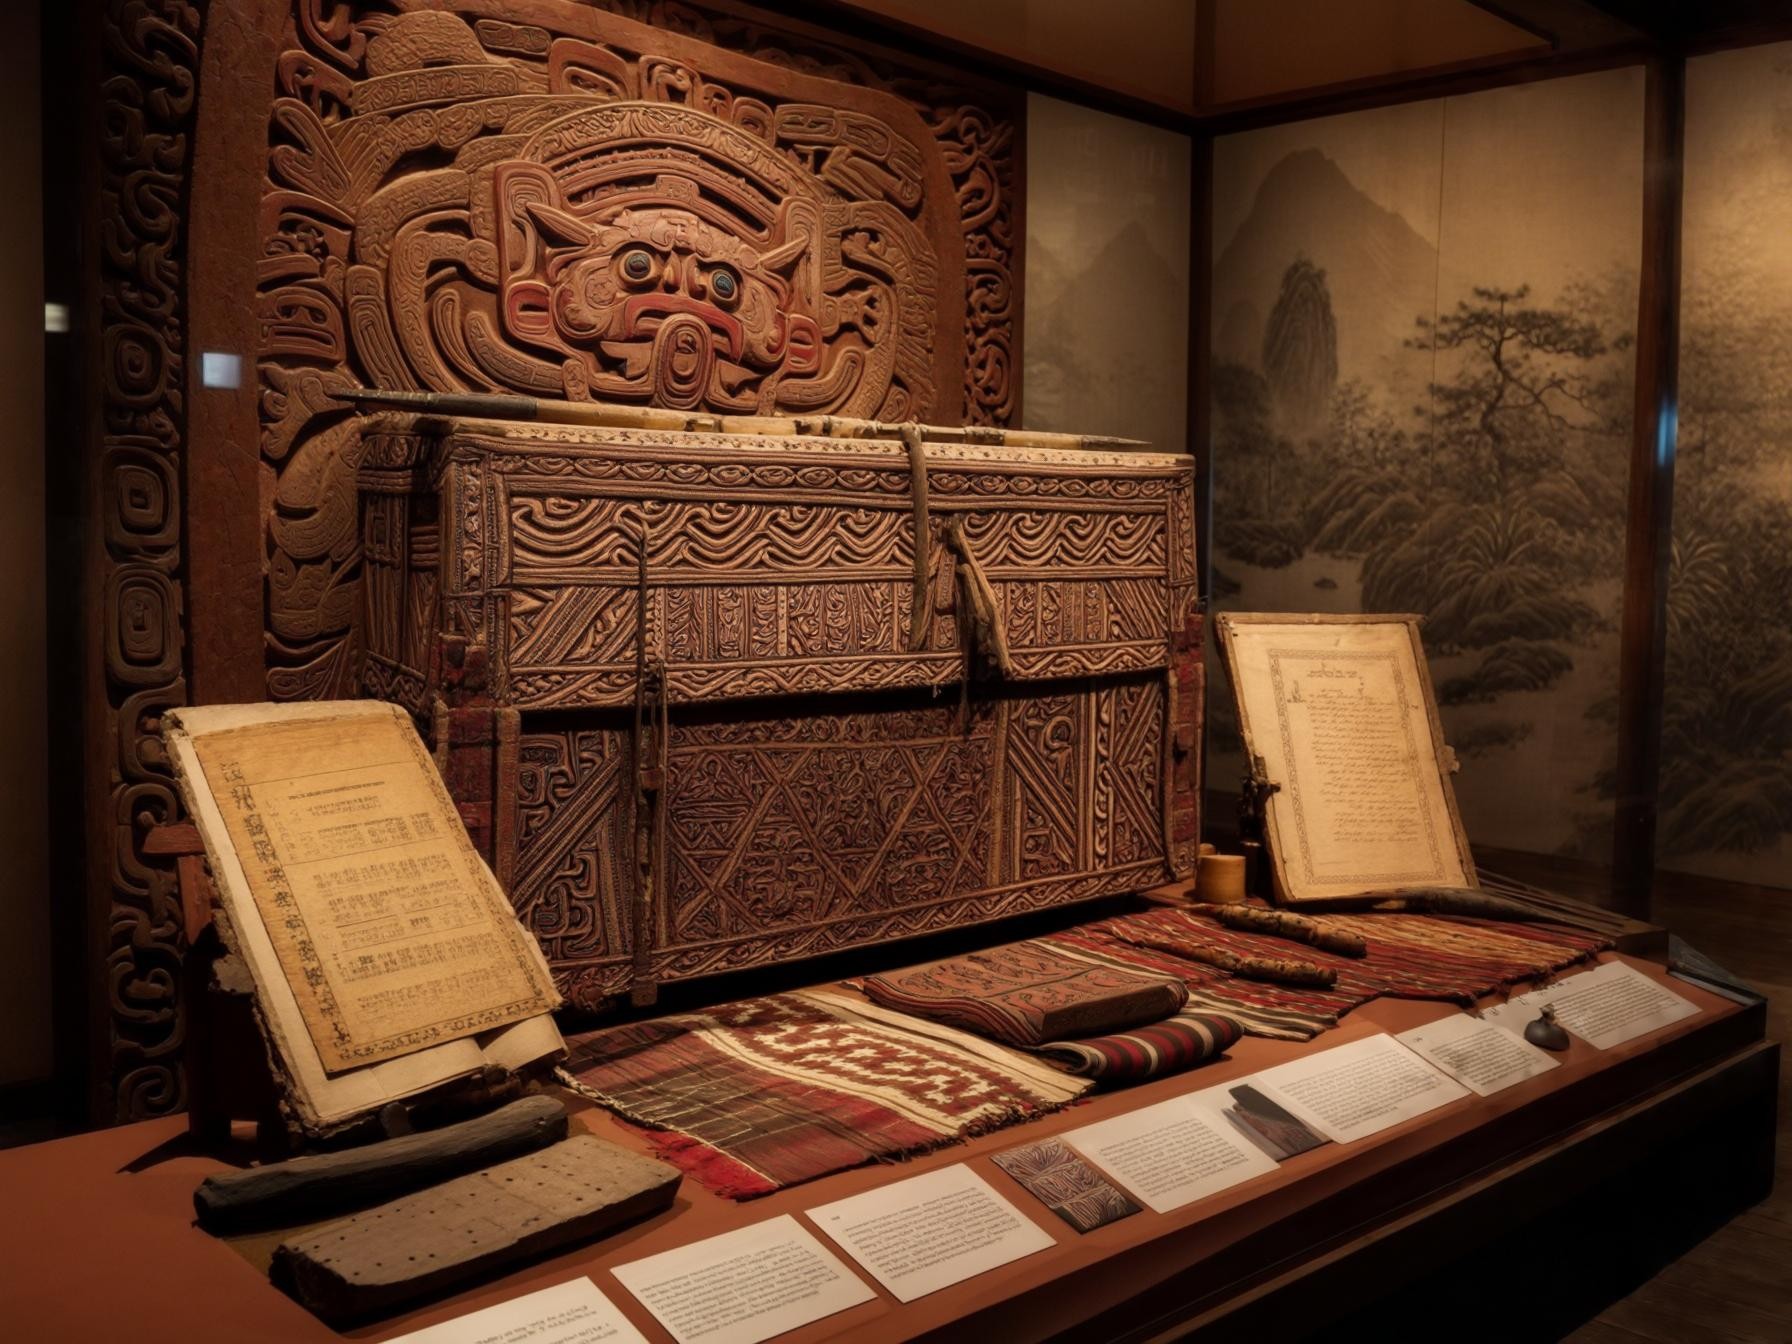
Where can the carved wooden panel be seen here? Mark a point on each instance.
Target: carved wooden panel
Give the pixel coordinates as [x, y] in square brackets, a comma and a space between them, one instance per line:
[428, 193]
[135, 568]
[819, 793]
[780, 565]
[805, 834]
[567, 203]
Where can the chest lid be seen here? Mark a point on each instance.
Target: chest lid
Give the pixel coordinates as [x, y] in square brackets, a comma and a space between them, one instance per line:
[753, 564]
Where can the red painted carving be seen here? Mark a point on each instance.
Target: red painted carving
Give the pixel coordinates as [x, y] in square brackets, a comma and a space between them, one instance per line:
[574, 205]
[847, 198]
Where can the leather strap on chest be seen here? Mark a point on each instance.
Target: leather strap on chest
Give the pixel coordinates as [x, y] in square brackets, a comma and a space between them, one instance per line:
[652, 734]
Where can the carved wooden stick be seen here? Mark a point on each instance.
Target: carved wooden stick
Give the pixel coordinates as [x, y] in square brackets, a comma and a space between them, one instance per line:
[318, 1186]
[917, 478]
[1280, 970]
[1285, 924]
[607, 415]
[1469, 901]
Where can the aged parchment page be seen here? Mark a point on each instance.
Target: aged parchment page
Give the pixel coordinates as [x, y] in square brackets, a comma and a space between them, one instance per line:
[1338, 713]
[388, 928]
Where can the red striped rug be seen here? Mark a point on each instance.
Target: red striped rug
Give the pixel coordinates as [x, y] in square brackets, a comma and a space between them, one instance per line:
[1409, 956]
[754, 1096]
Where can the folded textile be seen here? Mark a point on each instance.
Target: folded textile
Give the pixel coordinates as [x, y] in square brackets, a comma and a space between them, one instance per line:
[1405, 956]
[1027, 994]
[755, 1096]
[1150, 1051]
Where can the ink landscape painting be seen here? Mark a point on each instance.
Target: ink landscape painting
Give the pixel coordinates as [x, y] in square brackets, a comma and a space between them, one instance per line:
[1726, 789]
[1423, 320]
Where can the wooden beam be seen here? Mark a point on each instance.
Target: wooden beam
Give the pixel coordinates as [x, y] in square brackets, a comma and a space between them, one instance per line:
[1200, 300]
[1578, 25]
[1649, 534]
[1413, 86]
[843, 23]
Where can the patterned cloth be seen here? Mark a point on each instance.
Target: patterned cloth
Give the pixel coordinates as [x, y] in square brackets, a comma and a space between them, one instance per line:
[1066, 1184]
[1151, 1051]
[754, 1096]
[1409, 956]
[1027, 994]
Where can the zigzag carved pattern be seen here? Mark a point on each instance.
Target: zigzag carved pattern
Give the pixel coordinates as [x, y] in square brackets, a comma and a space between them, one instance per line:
[1032, 540]
[570, 888]
[558, 531]
[768, 839]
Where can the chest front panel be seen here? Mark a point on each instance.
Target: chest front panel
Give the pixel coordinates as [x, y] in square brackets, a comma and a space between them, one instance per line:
[828, 781]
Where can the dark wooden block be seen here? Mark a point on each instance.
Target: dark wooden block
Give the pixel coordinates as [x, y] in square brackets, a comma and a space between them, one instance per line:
[440, 1237]
[307, 1188]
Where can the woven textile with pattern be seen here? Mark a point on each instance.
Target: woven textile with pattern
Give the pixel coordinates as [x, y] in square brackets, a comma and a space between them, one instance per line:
[1409, 956]
[754, 1096]
[1026, 994]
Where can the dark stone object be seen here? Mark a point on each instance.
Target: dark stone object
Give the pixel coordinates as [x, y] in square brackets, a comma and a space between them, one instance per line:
[1546, 1032]
[438, 1239]
[307, 1188]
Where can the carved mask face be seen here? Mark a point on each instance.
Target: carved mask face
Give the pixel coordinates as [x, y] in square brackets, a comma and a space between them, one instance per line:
[661, 303]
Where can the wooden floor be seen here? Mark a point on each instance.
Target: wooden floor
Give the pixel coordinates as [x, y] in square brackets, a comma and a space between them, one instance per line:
[1735, 1287]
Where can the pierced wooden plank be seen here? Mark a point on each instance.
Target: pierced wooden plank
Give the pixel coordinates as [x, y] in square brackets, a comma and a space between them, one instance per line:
[438, 1238]
[305, 1189]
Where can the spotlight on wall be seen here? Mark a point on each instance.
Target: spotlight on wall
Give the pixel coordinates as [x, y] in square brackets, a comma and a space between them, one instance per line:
[217, 369]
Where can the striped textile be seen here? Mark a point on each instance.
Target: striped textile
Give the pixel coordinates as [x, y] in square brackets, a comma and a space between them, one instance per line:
[1409, 956]
[1166, 1047]
[1026, 994]
[755, 1096]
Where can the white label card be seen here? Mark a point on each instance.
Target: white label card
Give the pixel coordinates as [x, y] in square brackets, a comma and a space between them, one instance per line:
[744, 1286]
[931, 1231]
[1606, 1006]
[1173, 1153]
[1354, 1090]
[570, 1313]
[1484, 1055]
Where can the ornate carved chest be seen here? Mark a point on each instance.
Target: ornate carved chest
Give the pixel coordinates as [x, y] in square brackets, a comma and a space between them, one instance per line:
[679, 688]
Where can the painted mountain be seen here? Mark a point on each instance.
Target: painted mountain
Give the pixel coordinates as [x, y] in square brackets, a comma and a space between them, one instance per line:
[1381, 273]
[1397, 429]
[1095, 365]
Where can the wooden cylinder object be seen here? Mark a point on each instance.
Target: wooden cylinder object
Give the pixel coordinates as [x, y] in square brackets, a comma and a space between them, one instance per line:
[1220, 879]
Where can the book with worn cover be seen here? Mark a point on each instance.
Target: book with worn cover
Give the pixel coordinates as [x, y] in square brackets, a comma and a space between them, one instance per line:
[1340, 723]
[385, 958]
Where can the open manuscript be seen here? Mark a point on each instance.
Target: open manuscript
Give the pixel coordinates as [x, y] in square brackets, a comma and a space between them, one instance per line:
[1338, 717]
[386, 959]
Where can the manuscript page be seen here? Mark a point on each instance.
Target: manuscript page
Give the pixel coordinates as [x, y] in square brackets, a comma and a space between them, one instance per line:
[1352, 1091]
[1482, 1055]
[391, 934]
[931, 1231]
[1340, 713]
[1173, 1153]
[572, 1313]
[1606, 1006]
[744, 1286]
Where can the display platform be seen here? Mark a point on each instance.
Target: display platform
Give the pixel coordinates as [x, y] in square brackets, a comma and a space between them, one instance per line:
[111, 1250]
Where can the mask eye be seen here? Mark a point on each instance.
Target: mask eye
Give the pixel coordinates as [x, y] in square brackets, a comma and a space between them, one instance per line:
[724, 286]
[636, 265]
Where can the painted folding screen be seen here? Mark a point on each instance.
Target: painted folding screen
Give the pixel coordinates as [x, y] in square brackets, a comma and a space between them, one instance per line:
[1726, 783]
[1422, 320]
